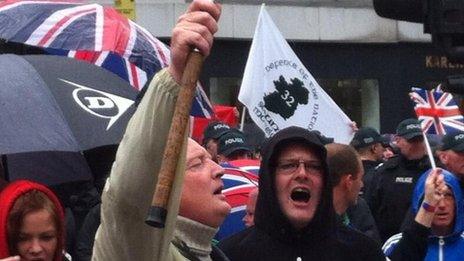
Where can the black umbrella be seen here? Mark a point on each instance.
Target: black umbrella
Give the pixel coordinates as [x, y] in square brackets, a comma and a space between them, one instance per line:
[47, 167]
[53, 107]
[52, 103]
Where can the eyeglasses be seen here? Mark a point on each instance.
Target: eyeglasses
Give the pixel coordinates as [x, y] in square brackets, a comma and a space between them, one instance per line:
[291, 166]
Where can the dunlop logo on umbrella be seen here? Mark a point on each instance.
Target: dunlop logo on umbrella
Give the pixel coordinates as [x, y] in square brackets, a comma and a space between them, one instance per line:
[99, 103]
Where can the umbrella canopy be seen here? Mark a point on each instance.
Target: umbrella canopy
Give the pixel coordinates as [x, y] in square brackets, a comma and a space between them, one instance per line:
[240, 177]
[48, 167]
[53, 103]
[75, 26]
[112, 62]
[94, 33]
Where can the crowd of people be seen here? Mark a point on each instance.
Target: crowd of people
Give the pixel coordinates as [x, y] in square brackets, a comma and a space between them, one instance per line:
[316, 199]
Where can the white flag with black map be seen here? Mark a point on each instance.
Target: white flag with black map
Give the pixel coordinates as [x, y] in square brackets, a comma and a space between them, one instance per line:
[280, 92]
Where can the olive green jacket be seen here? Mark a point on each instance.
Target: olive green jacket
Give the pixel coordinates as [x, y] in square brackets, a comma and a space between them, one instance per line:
[123, 235]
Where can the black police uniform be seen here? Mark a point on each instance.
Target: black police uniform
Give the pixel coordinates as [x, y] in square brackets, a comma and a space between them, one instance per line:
[389, 195]
[369, 167]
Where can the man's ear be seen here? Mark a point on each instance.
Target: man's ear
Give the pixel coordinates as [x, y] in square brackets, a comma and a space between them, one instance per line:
[347, 181]
[443, 156]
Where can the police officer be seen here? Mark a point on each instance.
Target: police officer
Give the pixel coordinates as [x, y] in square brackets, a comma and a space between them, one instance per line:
[211, 136]
[451, 154]
[389, 195]
[368, 143]
[232, 146]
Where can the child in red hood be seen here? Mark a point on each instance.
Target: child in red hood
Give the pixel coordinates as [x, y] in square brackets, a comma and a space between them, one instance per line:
[31, 223]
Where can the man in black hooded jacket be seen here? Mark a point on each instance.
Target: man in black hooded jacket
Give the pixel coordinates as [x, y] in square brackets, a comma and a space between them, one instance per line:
[294, 216]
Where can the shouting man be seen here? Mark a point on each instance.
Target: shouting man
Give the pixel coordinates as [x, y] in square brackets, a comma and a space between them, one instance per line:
[201, 206]
[294, 216]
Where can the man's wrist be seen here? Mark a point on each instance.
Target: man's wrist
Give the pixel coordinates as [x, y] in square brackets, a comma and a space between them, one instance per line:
[173, 72]
[428, 207]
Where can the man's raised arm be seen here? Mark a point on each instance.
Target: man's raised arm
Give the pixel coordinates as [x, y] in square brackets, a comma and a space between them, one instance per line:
[123, 235]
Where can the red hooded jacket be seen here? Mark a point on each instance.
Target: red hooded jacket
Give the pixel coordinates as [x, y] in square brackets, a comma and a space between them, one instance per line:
[8, 197]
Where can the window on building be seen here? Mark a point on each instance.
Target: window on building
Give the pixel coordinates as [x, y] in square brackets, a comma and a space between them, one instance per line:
[225, 90]
[358, 98]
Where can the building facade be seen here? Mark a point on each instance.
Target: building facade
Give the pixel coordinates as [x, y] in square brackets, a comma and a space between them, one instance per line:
[366, 63]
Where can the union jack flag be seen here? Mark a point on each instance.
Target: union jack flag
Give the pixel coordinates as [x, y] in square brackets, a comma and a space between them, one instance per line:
[136, 77]
[239, 179]
[437, 111]
[73, 26]
[94, 33]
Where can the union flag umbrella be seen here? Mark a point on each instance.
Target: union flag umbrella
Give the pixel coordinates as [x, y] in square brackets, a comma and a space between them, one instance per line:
[240, 177]
[91, 32]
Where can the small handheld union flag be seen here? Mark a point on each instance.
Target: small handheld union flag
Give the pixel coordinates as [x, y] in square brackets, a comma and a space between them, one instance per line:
[437, 111]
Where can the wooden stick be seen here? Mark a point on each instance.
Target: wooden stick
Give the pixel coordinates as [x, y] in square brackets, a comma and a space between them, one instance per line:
[158, 210]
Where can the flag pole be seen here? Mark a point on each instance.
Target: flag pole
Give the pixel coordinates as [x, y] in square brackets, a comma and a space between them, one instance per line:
[242, 120]
[429, 151]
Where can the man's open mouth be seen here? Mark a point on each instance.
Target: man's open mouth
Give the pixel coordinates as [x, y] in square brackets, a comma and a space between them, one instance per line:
[218, 191]
[300, 195]
[441, 215]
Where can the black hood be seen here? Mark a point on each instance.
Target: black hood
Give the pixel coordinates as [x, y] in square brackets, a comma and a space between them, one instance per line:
[268, 215]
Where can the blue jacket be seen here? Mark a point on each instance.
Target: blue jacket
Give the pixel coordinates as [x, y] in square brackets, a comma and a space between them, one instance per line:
[450, 247]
